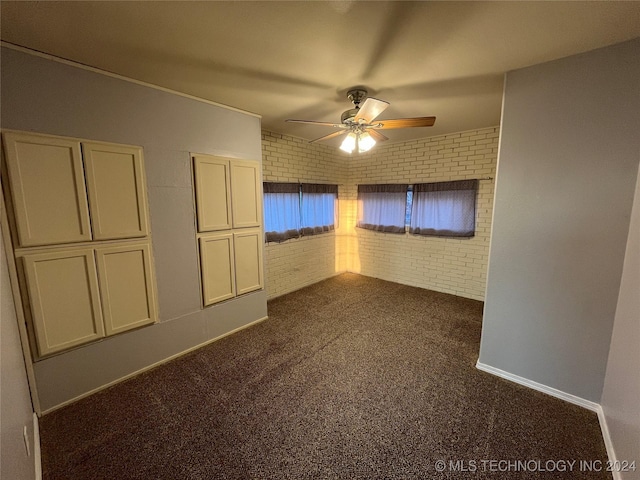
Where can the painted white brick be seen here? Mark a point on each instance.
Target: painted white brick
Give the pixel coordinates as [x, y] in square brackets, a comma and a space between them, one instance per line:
[456, 266]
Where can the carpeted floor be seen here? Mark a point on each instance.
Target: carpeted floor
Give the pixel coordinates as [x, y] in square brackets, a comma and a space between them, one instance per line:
[351, 378]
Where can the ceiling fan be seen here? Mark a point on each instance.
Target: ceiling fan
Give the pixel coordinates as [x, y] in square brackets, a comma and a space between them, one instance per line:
[359, 126]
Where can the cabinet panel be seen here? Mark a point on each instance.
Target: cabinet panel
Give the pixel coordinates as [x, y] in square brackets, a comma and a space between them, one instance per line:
[116, 187]
[63, 291]
[126, 286]
[213, 200]
[217, 265]
[246, 198]
[248, 260]
[47, 185]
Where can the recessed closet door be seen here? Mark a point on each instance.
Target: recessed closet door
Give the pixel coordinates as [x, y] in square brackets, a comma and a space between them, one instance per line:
[116, 186]
[247, 246]
[246, 196]
[47, 186]
[64, 299]
[213, 197]
[126, 286]
[217, 265]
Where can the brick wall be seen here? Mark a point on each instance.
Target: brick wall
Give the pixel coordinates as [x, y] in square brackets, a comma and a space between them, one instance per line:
[456, 266]
[296, 263]
[451, 265]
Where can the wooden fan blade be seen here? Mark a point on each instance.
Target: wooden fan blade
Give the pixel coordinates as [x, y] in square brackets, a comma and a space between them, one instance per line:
[370, 109]
[327, 124]
[331, 135]
[405, 123]
[377, 136]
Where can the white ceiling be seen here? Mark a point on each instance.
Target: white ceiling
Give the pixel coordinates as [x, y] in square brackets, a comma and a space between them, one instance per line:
[297, 59]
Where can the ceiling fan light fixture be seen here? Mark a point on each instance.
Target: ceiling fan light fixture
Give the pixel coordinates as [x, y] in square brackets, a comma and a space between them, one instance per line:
[349, 143]
[356, 121]
[365, 142]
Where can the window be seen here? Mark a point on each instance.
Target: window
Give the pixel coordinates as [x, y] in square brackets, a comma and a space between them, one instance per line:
[444, 209]
[382, 207]
[318, 208]
[292, 210]
[281, 211]
[407, 214]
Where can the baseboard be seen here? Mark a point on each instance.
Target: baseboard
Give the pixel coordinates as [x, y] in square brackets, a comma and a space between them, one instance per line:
[568, 397]
[37, 456]
[608, 443]
[153, 365]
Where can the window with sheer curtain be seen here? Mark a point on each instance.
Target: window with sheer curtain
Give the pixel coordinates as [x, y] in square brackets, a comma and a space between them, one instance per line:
[318, 208]
[281, 211]
[382, 207]
[445, 209]
[292, 210]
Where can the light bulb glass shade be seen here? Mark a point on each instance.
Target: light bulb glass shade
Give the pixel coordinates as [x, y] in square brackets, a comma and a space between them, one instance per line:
[349, 143]
[365, 142]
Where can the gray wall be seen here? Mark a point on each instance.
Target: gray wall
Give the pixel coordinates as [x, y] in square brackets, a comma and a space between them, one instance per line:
[567, 166]
[621, 394]
[15, 403]
[44, 96]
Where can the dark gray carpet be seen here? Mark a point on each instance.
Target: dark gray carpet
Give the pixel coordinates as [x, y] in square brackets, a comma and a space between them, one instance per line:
[351, 378]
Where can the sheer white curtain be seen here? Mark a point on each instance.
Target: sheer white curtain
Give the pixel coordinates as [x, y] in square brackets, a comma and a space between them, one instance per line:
[382, 207]
[444, 209]
[281, 211]
[318, 208]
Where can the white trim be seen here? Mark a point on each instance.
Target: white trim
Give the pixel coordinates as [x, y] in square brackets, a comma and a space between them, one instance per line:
[495, 194]
[608, 443]
[89, 68]
[153, 365]
[581, 402]
[37, 457]
[588, 404]
[17, 300]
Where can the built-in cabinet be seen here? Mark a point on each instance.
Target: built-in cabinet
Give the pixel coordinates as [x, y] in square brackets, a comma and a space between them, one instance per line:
[126, 286]
[64, 298]
[116, 190]
[228, 199]
[47, 185]
[81, 237]
[217, 265]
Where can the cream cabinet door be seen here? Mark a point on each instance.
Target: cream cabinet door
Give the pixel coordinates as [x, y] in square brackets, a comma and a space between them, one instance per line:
[213, 198]
[126, 286]
[217, 265]
[47, 187]
[116, 187]
[246, 196]
[247, 246]
[64, 299]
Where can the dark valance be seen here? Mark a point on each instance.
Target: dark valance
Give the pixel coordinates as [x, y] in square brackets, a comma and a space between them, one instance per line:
[385, 188]
[319, 188]
[446, 186]
[277, 187]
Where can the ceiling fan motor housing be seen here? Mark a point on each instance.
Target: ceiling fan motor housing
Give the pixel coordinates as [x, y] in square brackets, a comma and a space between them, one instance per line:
[348, 115]
[357, 95]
